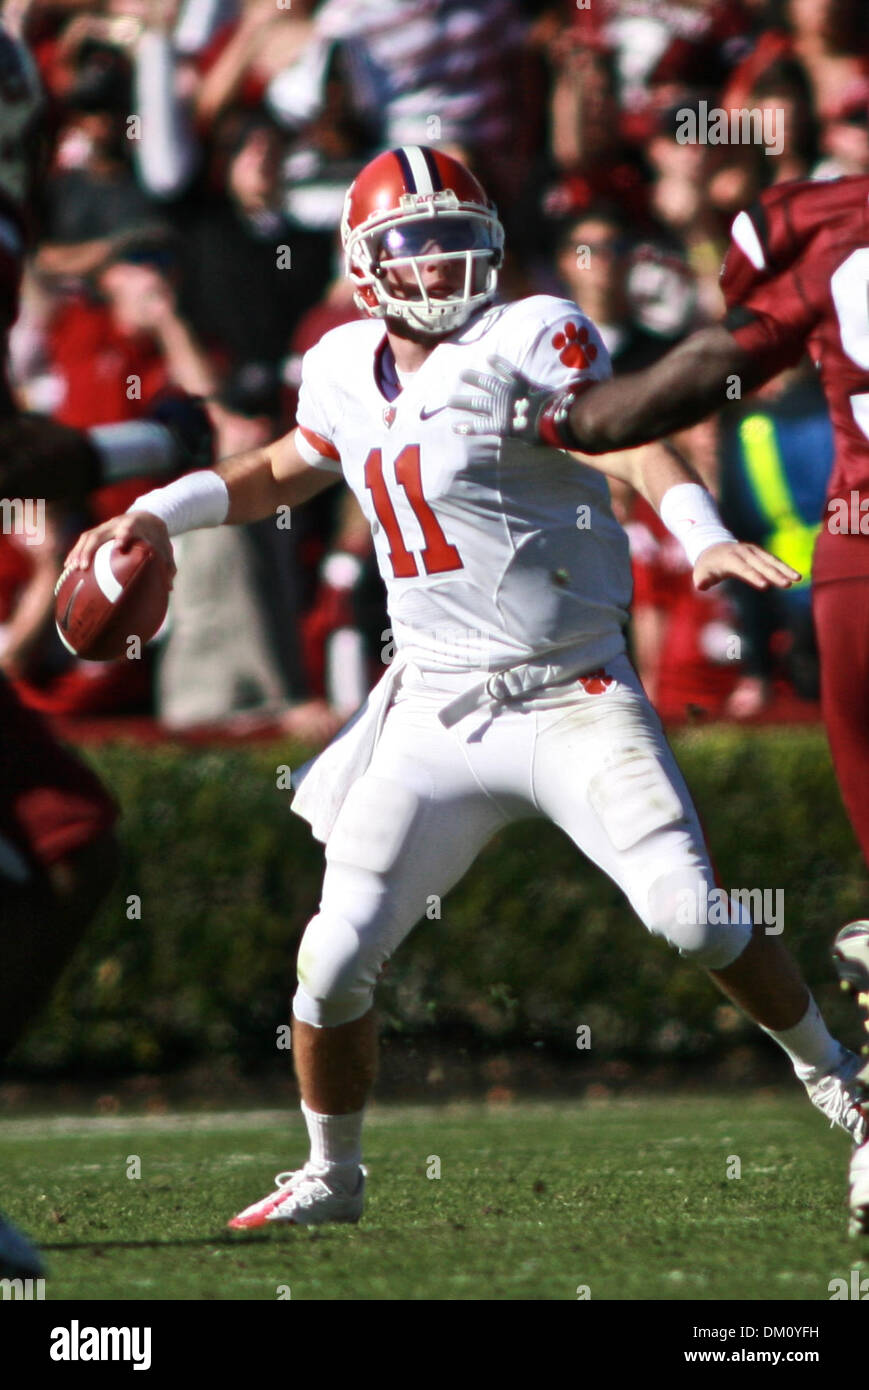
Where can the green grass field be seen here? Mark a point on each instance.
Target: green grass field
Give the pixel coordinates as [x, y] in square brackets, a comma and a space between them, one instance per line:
[630, 1198]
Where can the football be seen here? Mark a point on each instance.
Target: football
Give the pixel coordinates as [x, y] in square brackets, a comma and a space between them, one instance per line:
[123, 594]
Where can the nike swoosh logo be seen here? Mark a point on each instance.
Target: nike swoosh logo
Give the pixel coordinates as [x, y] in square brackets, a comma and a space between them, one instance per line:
[427, 414]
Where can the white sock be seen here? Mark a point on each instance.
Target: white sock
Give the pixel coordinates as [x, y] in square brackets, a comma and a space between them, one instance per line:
[336, 1145]
[810, 1046]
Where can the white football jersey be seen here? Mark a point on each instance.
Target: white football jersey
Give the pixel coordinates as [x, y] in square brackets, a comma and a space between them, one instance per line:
[494, 552]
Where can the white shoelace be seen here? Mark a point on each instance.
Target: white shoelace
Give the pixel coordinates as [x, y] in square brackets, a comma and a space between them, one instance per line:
[834, 1098]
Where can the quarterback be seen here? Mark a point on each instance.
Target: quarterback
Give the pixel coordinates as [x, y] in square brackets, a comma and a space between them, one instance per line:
[510, 695]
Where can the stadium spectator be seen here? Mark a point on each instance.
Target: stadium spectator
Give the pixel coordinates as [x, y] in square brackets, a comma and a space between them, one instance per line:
[421, 72]
[684, 642]
[784, 89]
[248, 272]
[829, 38]
[232, 652]
[682, 206]
[346, 630]
[166, 154]
[660, 49]
[92, 194]
[113, 355]
[585, 160]
[777, 453]
[102, 358]
[592, 263]
[249, 52]
[325, 157]
[845, 138]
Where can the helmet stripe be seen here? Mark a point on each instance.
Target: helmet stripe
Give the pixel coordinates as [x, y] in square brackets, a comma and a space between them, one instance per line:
[406, 171]
[434, 172]
[420, 175]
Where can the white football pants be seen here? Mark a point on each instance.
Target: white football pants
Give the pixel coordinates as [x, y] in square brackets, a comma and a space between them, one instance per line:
[588, 755]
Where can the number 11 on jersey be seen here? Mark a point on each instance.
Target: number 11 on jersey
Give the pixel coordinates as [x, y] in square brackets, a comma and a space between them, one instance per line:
[438, 555]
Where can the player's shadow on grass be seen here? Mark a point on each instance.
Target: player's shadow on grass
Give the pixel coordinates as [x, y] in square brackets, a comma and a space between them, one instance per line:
[219, 1239]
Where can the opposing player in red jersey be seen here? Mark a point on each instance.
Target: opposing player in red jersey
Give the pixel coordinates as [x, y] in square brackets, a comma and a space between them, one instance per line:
[57, 847]
[795, 279]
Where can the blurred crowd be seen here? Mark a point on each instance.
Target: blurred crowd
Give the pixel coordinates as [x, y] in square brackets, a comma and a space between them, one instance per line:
[185, 234]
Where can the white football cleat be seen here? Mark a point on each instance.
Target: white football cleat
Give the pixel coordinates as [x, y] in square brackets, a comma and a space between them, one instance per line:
[303, 1198]
[18, 1258]
[839, 1094]
[859, 1178]
[851, 959]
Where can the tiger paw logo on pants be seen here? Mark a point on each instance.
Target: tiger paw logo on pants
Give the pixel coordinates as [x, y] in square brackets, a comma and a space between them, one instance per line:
[596, 682]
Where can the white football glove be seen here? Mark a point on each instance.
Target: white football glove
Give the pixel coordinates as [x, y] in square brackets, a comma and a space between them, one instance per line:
[506, 403]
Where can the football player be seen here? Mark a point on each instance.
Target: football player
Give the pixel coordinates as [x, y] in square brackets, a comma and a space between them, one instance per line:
[510, 694]
[796, 278]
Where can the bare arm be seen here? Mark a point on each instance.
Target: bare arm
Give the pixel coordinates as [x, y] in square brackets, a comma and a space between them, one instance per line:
[654, 470]
[187, 361]
[684, 386]
[266, 37]
[261, 480]
[258, 481]
[651, 469]
[34, 610]
[165, 156]
[626, 412]
[147, 301]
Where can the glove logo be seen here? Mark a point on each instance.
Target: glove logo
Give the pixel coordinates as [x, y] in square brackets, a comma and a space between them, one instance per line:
[520, 414]
[573, 346]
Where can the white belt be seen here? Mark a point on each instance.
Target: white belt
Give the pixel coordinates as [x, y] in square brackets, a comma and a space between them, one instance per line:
[515, 682]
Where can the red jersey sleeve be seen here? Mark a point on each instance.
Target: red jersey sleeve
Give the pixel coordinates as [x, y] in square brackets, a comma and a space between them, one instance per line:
[769, 314]
[775, 277]
[797, 277]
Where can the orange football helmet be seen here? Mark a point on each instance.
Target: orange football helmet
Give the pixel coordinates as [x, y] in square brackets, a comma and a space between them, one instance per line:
[411, 207]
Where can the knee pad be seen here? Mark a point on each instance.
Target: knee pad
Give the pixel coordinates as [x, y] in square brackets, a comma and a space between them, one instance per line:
[633, 796]
[703, 923]
[335, 984]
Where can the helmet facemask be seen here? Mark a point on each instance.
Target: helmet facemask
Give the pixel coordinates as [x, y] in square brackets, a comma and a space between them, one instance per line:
[436, 229]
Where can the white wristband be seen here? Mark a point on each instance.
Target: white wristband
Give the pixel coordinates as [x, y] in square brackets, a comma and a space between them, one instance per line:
[196, 500]
[689, 512]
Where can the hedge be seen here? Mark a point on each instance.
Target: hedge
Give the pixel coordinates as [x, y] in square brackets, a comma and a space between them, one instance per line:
[532, 944]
